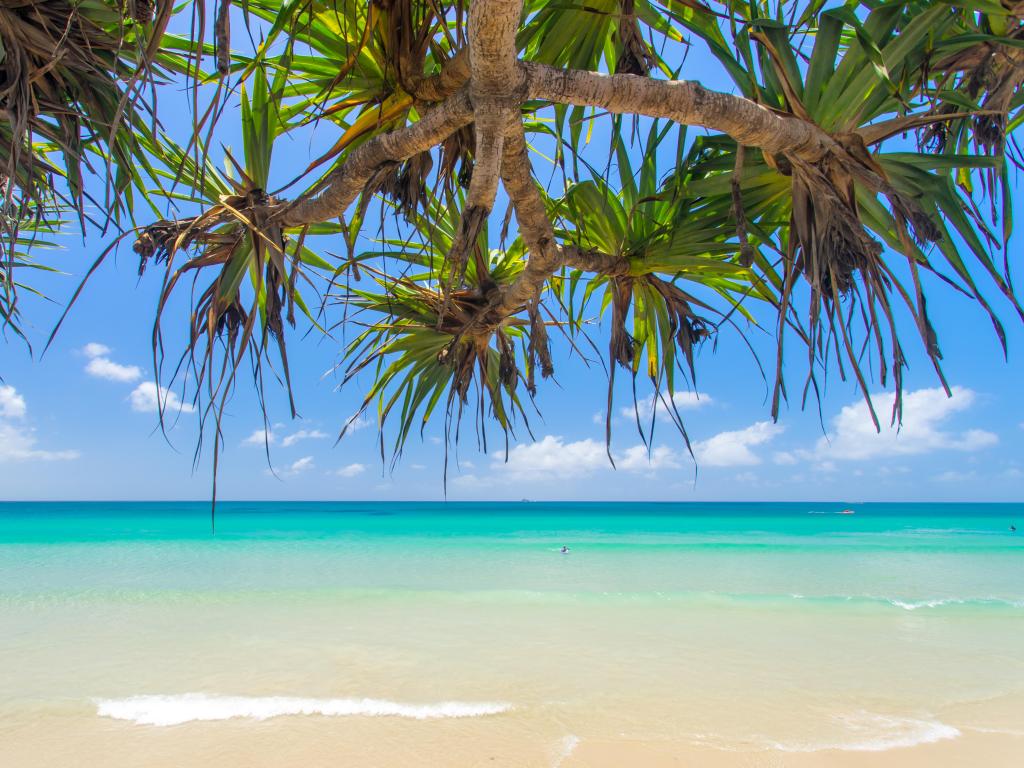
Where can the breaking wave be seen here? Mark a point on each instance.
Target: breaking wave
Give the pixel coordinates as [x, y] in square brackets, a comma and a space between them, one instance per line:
[190, 707]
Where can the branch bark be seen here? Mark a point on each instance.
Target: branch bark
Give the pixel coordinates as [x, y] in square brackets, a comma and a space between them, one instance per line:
[496, 91]
[453, 75]
[546, 255]
[684, 102]
[342, 186]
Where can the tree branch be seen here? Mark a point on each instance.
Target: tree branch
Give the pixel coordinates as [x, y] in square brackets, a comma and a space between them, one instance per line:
[684, 102]
[495, 89]
[342, 186]
[453, 75]
[546, 256]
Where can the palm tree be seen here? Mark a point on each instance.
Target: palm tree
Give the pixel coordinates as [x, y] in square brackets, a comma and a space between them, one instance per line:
[855, 150]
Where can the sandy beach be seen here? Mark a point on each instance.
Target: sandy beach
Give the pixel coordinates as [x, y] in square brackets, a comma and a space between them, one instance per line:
[763, 636]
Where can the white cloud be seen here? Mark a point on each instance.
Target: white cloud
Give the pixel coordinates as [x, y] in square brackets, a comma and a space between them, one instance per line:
[681, 400]
[732, 449]
[95, 349]
[19, 444]
[953, 476]
[853, 436]
[784, 457]
[302, 434]
[261, 437]
[356, 423]
[12, 405]
[350, 470]
[551, 458]
[637, 459]
[299, 465]
[146, 399]
[17, 440]
[102, 367]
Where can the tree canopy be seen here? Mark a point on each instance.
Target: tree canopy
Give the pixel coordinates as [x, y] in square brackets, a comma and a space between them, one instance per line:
[850, 153]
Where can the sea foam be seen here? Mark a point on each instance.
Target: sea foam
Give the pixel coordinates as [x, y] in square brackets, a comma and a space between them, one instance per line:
[869, 732]
[190, 707]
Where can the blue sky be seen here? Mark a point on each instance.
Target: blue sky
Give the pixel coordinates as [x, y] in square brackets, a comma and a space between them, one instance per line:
[80, 422]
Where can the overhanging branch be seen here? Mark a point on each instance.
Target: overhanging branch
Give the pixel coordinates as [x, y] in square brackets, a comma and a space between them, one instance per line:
[342, 186]
[684, 102]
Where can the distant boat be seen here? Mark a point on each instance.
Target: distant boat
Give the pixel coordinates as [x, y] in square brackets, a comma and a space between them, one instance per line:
[846, 512]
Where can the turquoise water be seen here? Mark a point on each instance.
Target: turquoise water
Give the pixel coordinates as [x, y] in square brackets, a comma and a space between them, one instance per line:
[741, 626]
[954, 552]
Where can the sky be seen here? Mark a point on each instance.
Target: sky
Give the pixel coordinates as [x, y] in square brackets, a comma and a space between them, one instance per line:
[80, 421]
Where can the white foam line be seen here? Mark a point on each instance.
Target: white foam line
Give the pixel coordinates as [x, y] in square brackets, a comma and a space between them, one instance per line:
[190, 707]
[565, 748]
[879, 733]
[913, 606]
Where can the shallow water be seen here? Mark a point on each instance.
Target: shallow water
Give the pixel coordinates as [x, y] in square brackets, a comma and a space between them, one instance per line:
[376, 632]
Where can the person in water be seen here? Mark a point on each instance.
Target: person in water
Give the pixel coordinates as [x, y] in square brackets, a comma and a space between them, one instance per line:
[1013, 528]
[565, 550]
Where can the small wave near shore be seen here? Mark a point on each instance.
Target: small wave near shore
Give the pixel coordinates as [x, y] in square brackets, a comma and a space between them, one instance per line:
[167, 710]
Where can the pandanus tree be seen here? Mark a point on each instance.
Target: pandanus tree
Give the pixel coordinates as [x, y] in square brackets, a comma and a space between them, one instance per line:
[547, 164]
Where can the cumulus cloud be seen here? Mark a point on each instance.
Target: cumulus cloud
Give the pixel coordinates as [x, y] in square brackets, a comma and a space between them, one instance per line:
[95, 349]
[272, 436]
[681, 400]
[146, 398]
[261, 437]
[102, 367]
[552, 458]
[853, 436]
[350, 470]
[784, 457]
[954, 476]
[298, 466]
[733, 448]
[17, 439]
[12, 405]
[637, 459]
[302, 434]
[356, 423]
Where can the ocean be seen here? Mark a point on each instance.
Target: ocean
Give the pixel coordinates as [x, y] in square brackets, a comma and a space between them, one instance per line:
[459, 634]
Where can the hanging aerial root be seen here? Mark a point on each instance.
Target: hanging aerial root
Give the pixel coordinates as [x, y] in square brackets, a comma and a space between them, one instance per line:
[635, 58]
[222, 37]
[538, 350]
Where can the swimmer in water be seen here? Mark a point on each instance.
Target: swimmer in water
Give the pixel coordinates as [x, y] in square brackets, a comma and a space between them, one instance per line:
[1013, 529]
[565, 550]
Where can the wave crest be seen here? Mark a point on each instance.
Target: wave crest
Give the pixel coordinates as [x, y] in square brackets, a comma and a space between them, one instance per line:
[189, 707]
[871, 732]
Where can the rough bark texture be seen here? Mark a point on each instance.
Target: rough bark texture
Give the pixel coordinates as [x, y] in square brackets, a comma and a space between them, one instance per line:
[492, 47]
[684, 102]
[343, 185]
[486, 84]
[453, 75]
[546, 255]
